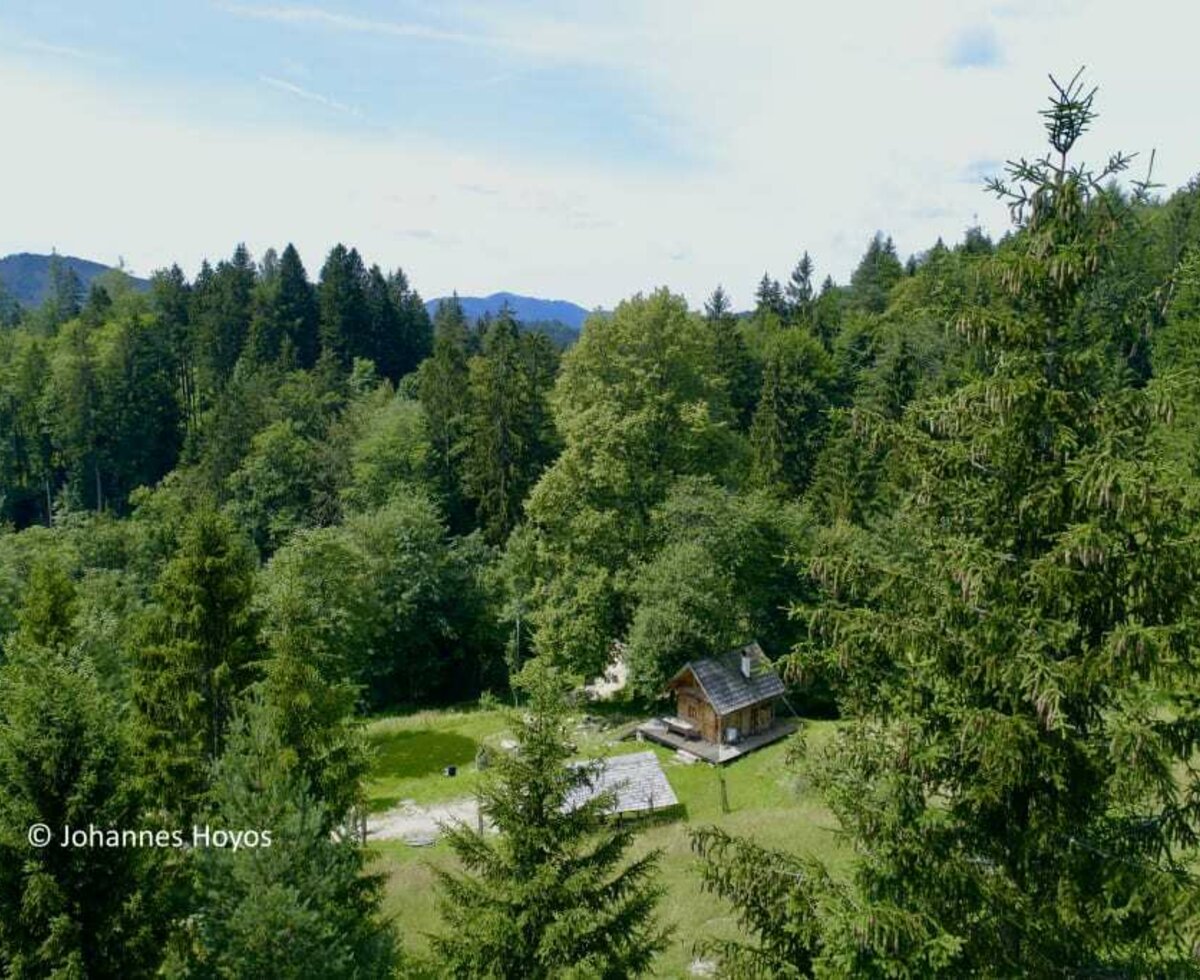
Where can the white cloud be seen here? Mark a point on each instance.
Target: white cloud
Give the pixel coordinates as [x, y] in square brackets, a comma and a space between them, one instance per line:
[809, 130]
[308, 96]
[327, 19]
[66, 51]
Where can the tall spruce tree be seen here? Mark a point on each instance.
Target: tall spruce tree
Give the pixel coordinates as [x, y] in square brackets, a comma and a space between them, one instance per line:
[416, 328]
[827, 312]
[1015, 647]
[296, 308]
[46, 621]
[65, 762]
[718, 305]
[70, 408]
[10, 308]
[735, 364]
[222, 308]
[98, 305]
[552, 894]
[344, 322]
[68, 911]
[171, 301]
[509, 431]
[27, 457]
[296, 908]
[384, 339]
[877, 272]
[264, 343]
[64, 295]
[193, 660]
[768, 297]
[789, 420]
[799, 291]
[308, 699]
[442, 386]
[138, 418]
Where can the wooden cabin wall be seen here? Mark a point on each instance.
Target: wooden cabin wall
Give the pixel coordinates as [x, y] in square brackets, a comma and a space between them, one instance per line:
[691, 707]
[764, 716]
[739, 719]
[752, 720]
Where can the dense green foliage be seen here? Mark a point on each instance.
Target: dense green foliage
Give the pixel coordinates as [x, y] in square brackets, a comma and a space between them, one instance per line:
[1014, 640]
[956, 499]
[553, 895]
[299, 908]
[193, 660]
[63, 762]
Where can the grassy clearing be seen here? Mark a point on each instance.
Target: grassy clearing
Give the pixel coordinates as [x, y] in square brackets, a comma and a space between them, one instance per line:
[412, 750]
[769, 799]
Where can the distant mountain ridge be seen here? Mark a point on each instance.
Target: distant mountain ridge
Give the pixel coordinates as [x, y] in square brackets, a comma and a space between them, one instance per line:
[527, 309]
[26, 275]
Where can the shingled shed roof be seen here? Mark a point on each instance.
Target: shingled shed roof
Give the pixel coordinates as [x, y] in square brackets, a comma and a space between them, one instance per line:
[637, 780]
[723, 684]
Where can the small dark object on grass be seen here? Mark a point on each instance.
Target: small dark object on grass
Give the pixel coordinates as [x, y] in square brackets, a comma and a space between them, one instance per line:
[450, 771]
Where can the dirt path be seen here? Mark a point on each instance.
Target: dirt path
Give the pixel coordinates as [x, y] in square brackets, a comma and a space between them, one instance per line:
[420, 825]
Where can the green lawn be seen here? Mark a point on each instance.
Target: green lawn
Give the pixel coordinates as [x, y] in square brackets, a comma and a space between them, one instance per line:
[768, 796]
[412, 750]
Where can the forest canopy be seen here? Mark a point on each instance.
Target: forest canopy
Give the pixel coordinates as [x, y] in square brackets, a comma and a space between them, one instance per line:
[956, 499]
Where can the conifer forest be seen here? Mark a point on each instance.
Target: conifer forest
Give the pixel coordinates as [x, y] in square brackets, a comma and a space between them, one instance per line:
[273, 538]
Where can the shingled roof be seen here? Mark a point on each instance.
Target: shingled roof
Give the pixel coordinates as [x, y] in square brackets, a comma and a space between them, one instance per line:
[724, 686]
[637, 780]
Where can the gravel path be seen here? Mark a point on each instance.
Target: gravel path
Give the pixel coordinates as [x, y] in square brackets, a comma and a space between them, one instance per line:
[420, 825]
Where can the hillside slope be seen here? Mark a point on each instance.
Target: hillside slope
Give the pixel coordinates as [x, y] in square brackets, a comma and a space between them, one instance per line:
[26, 275]
[527, 309]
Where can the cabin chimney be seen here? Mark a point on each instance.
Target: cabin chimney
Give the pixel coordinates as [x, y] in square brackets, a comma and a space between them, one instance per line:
[746, 664]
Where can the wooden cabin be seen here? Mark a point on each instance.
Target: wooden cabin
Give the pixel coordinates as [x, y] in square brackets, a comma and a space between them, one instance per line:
[728, 697]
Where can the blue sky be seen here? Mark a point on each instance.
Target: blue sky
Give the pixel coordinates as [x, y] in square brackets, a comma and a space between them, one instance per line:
[574, 151]
[369, 67]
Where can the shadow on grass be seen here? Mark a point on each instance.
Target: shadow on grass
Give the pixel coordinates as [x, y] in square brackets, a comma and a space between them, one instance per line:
[658, 818]
[413, 755]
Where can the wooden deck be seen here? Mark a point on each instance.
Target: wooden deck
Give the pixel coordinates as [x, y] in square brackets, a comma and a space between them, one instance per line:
[655, 730]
